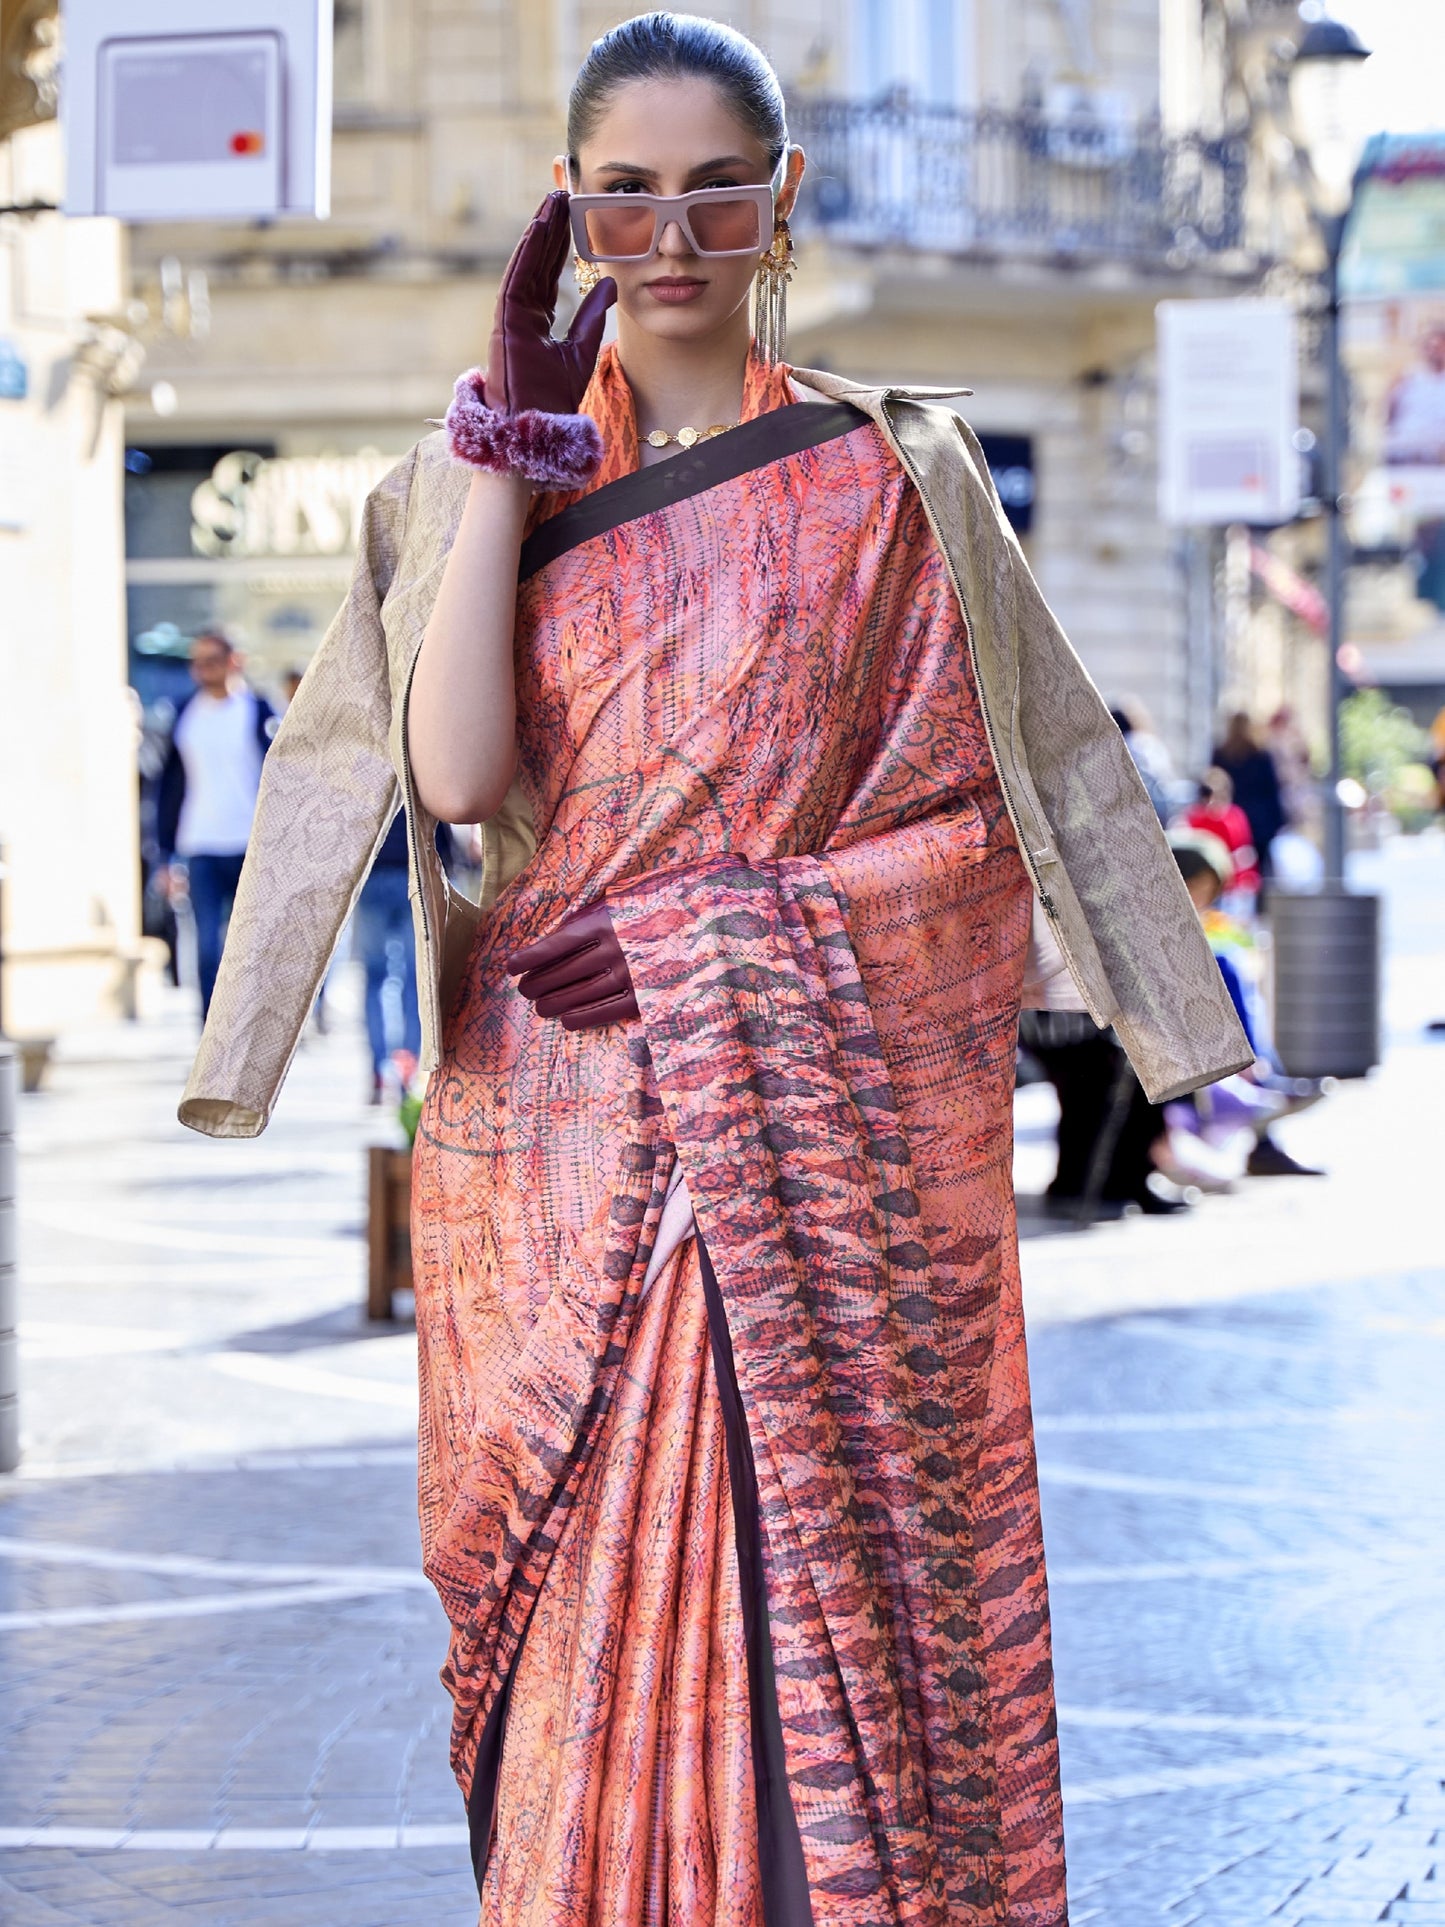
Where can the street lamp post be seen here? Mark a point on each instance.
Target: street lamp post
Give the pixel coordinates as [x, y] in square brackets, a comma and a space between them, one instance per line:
[1323, 81]
[1327, 946]
[1332, 229]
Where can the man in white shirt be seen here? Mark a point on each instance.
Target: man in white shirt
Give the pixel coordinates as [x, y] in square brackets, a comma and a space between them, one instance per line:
[208, 791]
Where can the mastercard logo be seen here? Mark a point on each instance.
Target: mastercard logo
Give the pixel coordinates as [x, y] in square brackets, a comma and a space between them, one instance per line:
[248, 141]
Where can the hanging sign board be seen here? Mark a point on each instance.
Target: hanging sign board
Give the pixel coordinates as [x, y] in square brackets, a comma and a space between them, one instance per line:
[1228, 413]
[1395, 243]
[166, 120]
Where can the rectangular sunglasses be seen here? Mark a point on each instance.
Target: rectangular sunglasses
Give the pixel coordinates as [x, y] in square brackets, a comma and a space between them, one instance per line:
[716, 221]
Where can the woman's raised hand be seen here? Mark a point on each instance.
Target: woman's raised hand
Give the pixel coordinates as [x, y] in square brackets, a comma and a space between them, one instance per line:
[526, 367]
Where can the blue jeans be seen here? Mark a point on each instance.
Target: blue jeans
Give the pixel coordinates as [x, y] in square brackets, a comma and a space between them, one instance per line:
[387, 949]
[212, 884]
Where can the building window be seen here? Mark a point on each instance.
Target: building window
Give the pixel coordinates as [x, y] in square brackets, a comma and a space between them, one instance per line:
[356, 30]
[921, 48]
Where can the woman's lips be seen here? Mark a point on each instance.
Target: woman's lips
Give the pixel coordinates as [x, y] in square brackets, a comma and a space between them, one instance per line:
[675, 293]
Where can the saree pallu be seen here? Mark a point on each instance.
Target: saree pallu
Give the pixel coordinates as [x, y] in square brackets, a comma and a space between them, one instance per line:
[747, 717]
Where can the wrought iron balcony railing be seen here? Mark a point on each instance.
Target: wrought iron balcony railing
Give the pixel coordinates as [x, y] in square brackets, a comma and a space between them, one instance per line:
[1016, 182]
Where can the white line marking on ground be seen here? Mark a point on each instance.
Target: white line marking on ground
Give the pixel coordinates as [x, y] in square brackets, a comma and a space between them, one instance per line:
[113, 1229]
[197, 1271]
[322, 1458]
[1087, 1478]
[1256, 1772]
[325, 1457]
[197, 1606]
[293, 1375]
[1337, 1733]
[1146, 1571]
[39, 1341]
[1226, 1420]
[178, 1565]
[411, 1835]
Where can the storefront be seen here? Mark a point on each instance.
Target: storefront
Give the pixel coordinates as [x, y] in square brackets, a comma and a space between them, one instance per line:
[242, 538]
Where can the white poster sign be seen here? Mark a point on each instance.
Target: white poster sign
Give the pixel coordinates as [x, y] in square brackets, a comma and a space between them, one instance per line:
[1228, 412]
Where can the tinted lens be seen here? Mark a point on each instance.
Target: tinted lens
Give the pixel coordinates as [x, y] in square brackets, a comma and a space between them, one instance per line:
[725, 227]
[620, 229]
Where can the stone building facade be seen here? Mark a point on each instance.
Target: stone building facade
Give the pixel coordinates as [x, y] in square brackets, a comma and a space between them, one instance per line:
[69, 924]
[999, 197]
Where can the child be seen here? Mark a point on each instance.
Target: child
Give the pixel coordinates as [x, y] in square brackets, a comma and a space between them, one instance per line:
[1247, 1096]
[1220, 816]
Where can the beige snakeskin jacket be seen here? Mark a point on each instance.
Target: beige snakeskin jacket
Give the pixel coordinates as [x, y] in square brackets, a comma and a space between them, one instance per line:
[1115, 934]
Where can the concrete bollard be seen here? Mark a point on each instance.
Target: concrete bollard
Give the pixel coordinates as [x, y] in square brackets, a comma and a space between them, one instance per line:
[9, 1290]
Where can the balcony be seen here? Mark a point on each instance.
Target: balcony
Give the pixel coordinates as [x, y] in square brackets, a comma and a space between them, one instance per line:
[1018, 183]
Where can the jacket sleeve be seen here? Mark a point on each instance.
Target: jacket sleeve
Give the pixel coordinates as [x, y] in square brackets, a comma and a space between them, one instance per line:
[328, 794]
[1121, 905]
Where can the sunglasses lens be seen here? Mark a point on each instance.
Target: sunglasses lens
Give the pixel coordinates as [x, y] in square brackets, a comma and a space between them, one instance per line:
[726, 227]
[618, 231]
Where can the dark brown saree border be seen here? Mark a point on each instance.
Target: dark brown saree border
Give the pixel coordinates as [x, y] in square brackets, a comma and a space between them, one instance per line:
[766, 438]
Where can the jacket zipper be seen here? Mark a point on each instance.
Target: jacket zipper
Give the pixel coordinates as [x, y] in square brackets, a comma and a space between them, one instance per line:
[408, 799]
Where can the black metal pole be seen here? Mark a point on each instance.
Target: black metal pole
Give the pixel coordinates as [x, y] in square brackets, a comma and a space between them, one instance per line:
[1327, 946]
[1336, 441]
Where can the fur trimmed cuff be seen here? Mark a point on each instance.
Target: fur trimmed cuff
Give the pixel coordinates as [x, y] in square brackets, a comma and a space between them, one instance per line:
[554, 451]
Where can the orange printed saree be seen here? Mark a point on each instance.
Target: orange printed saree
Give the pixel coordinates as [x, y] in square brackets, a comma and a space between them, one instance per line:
[741, 1550]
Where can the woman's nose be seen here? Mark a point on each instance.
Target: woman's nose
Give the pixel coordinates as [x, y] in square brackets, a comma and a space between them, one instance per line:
[673, 241]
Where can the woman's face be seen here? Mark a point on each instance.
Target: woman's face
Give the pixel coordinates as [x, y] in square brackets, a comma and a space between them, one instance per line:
[670, 136]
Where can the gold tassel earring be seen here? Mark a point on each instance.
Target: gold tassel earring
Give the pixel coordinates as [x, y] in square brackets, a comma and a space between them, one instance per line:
[770, 309]
[588, 274]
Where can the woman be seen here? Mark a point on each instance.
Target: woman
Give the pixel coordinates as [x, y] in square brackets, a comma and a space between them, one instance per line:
[1251, 769]
[726, 1461]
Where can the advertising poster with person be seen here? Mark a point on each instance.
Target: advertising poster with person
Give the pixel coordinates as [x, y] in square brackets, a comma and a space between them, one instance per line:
[1392, 274]
[1407, 488]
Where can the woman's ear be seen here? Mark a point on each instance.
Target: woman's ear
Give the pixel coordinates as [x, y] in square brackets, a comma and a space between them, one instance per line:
[792, 181]
[560, 176]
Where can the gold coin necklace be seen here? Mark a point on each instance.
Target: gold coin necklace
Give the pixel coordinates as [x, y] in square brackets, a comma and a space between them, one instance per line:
[687, 437]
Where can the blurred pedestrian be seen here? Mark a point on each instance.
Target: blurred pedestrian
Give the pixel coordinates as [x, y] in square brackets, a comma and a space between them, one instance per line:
[1285, 741]
[1150, 755]
[1256, 1098]
[1109, 1134]
[207, 793]
[1218, 815]
[1251, 769]
[383, 938]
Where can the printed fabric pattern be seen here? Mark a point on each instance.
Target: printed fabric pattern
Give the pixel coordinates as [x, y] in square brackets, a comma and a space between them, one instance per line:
[748, 720]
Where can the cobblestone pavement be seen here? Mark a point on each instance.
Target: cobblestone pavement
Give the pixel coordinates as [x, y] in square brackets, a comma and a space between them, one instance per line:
[219, 1661]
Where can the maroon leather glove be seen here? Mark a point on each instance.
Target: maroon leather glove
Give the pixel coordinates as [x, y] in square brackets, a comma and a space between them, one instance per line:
[526, 368]
[579, 973]
[520, 416]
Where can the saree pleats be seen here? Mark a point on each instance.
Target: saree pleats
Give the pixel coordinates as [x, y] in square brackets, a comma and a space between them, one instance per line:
[636, 1647]
[747, 719]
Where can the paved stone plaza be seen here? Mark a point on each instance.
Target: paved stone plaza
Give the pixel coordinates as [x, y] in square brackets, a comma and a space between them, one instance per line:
[219, 1661]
